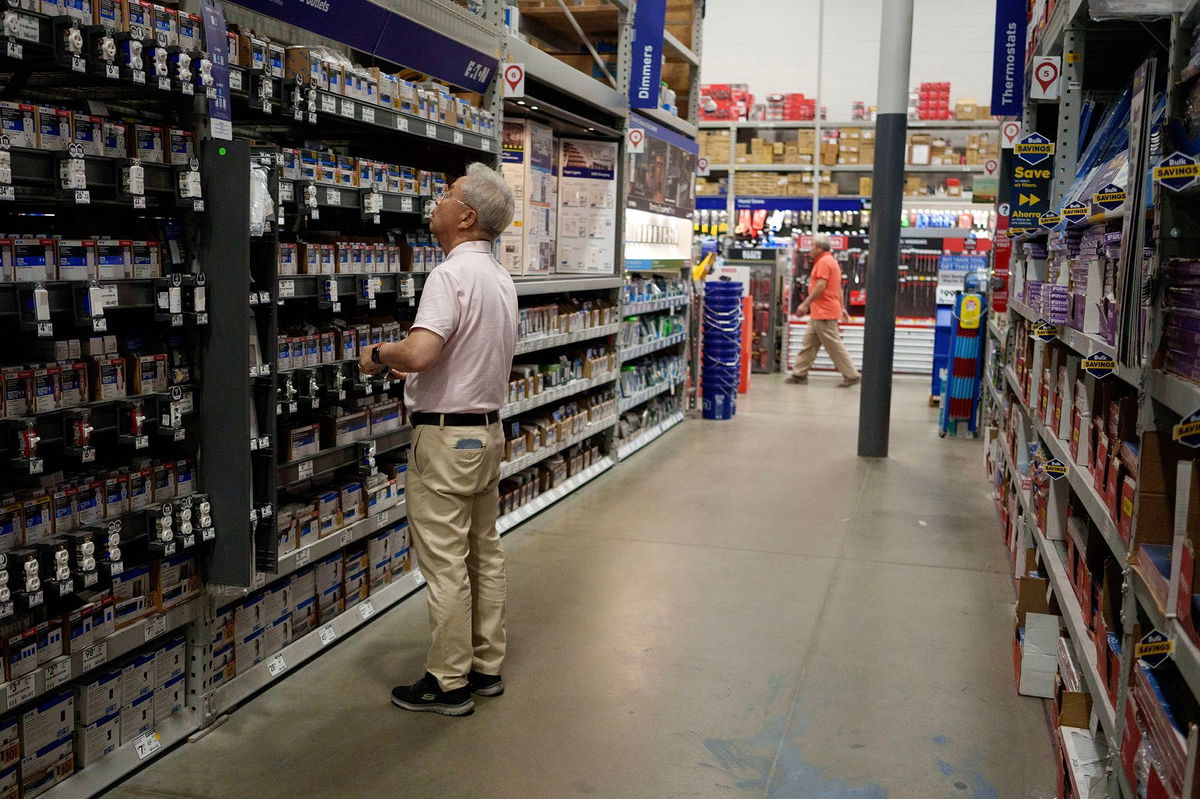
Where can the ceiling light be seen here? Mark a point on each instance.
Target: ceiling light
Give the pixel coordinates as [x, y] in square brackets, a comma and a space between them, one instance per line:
[591, 130]
[533, 108]
[520, 102]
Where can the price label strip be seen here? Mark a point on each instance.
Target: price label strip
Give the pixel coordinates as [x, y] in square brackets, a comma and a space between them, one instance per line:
[147, 745]
[327, 635]
[276, 665]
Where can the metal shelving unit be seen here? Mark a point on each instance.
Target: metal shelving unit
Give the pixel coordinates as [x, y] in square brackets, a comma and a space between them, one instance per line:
[641, 440]
[546, 499]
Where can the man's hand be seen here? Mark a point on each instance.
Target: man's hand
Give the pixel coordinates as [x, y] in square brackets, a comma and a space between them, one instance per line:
[845, 316]
[368, 366]
[802, 309]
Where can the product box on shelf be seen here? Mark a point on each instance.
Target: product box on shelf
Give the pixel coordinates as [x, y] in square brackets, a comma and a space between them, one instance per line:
[50, 719]
[137, 676]
[133, 596]
[43, 768]
[10, 743]
[169, 698]
[330, 600]
[303, 608]
[98, 738]
[137, 718]
[19, 124]
[527, 162]
[98, 695]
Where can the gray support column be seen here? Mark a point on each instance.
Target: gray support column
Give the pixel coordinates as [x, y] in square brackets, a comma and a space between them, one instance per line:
[816, 184]
[895, 53]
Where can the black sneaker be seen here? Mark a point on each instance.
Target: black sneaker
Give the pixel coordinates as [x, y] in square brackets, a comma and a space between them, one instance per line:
[485, 684]
[427, 695]
[797, 379]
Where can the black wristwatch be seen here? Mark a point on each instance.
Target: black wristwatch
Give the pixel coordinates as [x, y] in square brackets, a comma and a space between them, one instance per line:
[375, 354]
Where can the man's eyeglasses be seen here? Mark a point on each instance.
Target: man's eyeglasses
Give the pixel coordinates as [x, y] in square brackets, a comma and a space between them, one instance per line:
[442, 195]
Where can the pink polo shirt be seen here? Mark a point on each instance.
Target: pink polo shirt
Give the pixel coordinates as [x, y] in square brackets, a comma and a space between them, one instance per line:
[471, 303]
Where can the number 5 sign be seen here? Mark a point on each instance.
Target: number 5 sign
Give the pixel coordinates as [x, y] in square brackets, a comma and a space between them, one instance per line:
[702, 166]
[637, 140]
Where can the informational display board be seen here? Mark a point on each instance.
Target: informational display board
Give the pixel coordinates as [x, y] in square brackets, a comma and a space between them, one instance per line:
[527, 162]
[587, 207]
[662, 177]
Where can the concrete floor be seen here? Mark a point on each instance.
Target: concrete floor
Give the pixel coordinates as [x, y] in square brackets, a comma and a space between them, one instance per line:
[745, 609]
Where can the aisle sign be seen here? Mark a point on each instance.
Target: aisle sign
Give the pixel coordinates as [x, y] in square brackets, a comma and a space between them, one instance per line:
[990, 166]
[1074, 211]
[1109, 198]
[1031, 180]
[1187, 432]
[636, 137]
[1099, 365]
[1177, 171]
[1009, 132]
[514, 79]
[1008, 58]
[1044, 331]
[1046, 72]
[1154, 649]
[702, 166]
[649, 26]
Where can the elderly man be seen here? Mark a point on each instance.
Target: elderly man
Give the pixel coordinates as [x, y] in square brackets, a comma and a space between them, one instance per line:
[457, 360]
[824, 307]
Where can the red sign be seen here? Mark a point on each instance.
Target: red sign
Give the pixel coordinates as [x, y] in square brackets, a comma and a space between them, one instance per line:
[835, 243]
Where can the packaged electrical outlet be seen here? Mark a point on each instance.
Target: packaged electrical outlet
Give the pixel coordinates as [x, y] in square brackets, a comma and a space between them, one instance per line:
[19, 122]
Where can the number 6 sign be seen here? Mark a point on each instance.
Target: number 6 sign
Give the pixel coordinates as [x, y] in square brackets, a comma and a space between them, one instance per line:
[637, 140]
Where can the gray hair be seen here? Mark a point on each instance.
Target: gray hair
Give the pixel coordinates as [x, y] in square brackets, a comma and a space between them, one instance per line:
[486, 192]
[821, 241]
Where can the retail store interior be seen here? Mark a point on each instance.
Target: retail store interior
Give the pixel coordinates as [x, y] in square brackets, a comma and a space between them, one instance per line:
[549, 398]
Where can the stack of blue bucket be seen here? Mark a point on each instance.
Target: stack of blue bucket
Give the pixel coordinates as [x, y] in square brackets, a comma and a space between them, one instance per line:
[722, 364]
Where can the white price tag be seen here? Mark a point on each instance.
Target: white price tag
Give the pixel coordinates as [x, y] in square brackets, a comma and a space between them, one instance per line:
[78, 64]
[381, 519]
[139, 202]
[328, 104]
[140, 77]
[96, 654]
[147, 745]
[187, 88]
[458, 137]
[487, 145]
[304, 470]
[420, 578]
[235, 80]
[155, 626]
[348, 108]
[287, 288]
[112, 72]
[14, 50]
[345, 539]
[83, 197]
[58, 673]
[117, 567]
[366, 609]
[431, 130]
[327, 635]
[402, 124]
[7, 193]
[303, 557]
[164, 84]
[21, 690]
[333, 197]
[368, 114]
[406, 205]
[276, 665]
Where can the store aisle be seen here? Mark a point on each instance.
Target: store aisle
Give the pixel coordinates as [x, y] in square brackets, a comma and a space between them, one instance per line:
[745, 609]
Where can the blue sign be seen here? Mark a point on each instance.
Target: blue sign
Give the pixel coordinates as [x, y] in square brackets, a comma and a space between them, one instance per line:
[1177, 171]
[1055, 468]
[219, 113]
[373, 29]
[1074, 211]
[649, 25]
[1154, 649]
[1034, 149]
[661, 133]
[1110, 198]
[1099, 365]
[1008, 59]
[1187, 432]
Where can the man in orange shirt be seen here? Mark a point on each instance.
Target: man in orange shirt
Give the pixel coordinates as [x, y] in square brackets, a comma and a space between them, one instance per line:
[824, 308]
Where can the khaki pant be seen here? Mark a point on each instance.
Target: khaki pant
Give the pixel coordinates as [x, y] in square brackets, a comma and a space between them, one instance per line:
[824, 332]
[452, 504]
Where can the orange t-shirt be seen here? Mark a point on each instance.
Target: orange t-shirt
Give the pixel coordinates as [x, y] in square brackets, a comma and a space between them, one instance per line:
[829, 304]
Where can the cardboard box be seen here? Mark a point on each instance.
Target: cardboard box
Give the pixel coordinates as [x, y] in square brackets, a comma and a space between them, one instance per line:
[10, 743]
[54, 129]
[1037, 659]
[169, 698]
[98, 694]
[43, 768]
[98, 739]
[137, 718]
[50, 719]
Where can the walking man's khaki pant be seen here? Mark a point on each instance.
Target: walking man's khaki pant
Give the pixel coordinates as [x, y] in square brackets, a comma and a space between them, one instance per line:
[453, 473]
[824, 332]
